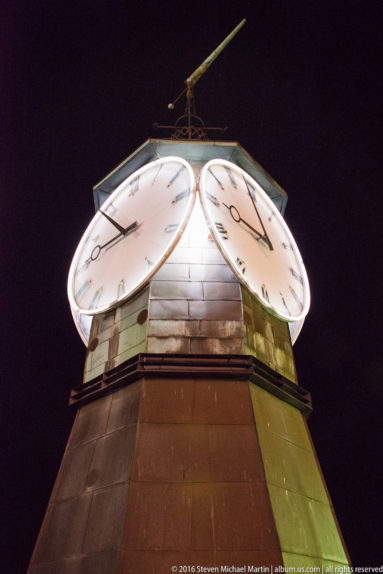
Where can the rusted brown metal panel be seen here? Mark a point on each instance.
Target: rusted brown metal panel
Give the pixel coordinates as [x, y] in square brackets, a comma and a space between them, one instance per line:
[197, 453]
[72, 478]
[172, 453]
[91, 422]
[222, 402]
[106, 519]
[69, 517]
[221, 328]
[234, 453]
[214, 346]
[112, 459]
[125, 407]
[158, 516]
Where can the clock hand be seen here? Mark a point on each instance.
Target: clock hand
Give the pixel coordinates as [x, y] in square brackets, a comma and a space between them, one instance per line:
[98, 248]
[238, 219]
[266, 237]
[122, 230]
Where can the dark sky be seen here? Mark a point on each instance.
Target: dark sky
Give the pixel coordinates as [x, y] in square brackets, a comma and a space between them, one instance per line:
[300, 88]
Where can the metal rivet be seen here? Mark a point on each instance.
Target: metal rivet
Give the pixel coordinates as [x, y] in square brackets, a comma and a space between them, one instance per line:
[142, 316]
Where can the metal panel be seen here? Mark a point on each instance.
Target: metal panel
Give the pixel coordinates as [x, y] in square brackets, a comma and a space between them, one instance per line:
[242, 517]
[176, 290]
[215, 346]
[72, 477]
[106, 521]
[290, 466]
[69, 517]
[221, 329]
[302, 511]
[159, 516]
[221, 290]
[306, 526]
[162, 309]
[197, 453]
[211, 273]
[112, 458]
[160, 327]
[279, 417]
[222, 402]
[90, 422]
[166, 400]
[124, 408]
[216, 310]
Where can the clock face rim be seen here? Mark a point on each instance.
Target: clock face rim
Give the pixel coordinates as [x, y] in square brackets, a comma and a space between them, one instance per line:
[229, 258]
[98, 217]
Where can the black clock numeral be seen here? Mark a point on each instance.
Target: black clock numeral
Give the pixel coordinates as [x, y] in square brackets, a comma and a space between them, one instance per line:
[212, 198]
[250, 189]
[96, 298]
[111, 209]
[134, 186]
[296, 275]
[231, 176]
[181, 195]
[83, 289]
[150, 263]
[156, 174]
[287, 246]
[216, 178]
[95, 238]
[293, 293]
[84, 266]
[121, 290]
[271, 216]
[285, 304]
[221, 230]
[178, 172]
[241, 265]
[265, 293]
[171, 228]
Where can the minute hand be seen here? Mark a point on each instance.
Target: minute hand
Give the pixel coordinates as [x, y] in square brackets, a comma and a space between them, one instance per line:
[266, 237]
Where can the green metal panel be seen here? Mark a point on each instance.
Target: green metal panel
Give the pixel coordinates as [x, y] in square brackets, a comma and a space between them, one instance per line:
[305, 526]
[298, 561]
[303, 515]
[279, 417]
[296, 467]
[266, 337]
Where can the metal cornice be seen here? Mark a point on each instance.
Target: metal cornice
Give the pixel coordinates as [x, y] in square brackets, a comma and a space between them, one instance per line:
[240, 367]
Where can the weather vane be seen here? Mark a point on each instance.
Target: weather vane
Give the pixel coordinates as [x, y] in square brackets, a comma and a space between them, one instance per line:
[184, 126]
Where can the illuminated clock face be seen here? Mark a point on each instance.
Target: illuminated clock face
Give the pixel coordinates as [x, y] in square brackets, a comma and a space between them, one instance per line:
[255, 239]
[130, 236]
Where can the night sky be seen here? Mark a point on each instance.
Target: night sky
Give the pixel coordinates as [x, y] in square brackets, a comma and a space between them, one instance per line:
[300, 88]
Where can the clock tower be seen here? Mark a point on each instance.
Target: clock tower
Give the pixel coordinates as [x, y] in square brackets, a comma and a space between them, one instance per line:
[190, 450]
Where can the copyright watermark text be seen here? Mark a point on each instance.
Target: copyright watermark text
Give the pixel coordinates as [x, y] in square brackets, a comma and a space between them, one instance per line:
[247, 568]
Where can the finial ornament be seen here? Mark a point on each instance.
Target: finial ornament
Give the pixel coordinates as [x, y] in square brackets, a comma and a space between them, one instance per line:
[184, 127]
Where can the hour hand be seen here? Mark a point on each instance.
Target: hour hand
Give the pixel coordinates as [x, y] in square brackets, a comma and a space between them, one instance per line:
[122, 230]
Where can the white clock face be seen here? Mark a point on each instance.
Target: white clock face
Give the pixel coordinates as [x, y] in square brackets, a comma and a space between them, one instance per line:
[255, 239]
[129, 237]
